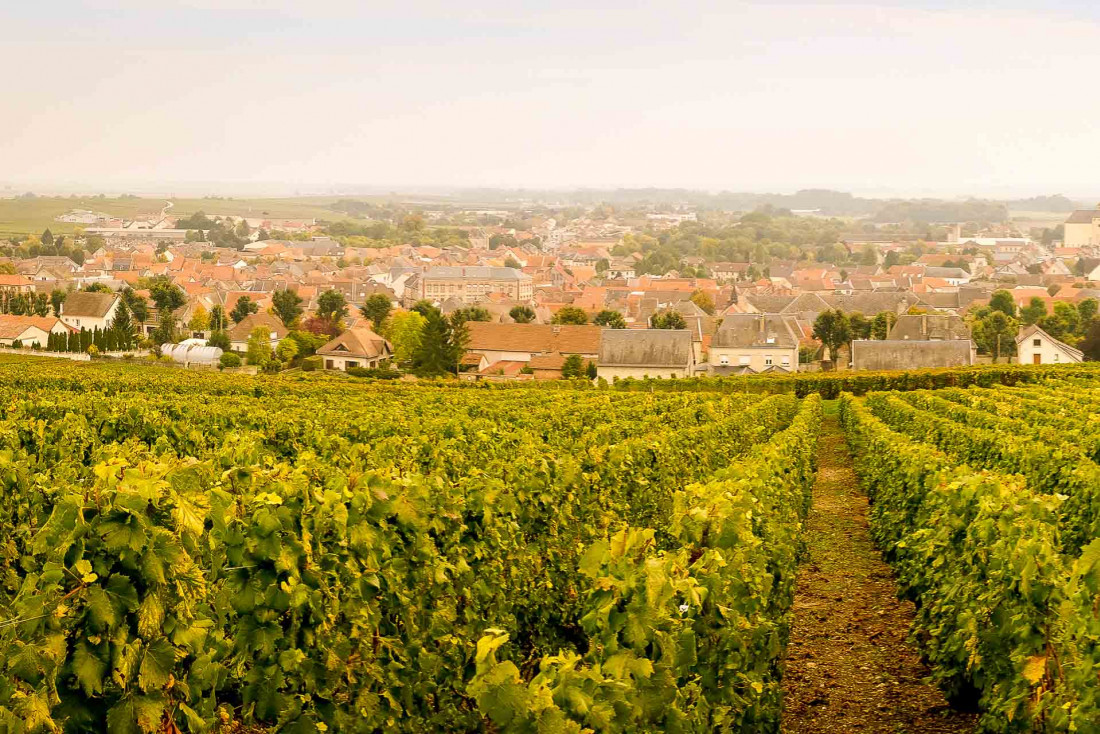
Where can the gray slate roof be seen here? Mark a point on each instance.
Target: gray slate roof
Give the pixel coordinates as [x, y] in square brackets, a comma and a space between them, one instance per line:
[477, 271]
[645, 348]
[754, 330]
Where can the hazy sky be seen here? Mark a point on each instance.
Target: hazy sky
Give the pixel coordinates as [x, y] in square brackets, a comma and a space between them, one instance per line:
[913, 97]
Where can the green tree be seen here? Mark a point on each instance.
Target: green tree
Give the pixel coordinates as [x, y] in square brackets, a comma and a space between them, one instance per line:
[47, 237]
[1001, 300]
[57, 299]
[287, 306]
[590, 370]
[832, 329]
[995, 333]
[441, 345]
[891, 259]
[287, 350]
[570, 315]
[97, 288]
[668, 320]
[572, 367]
[471, 313]
[377, 308]
[522, 314]
[200, 320]
[244, 307]
[1033, 311]
[138, 306]
[332, 307]
[610, 319]
[1086, 310]
[882, 323]
[218, 319]
[123, 326]
[403, 330]
[219, 338]
[258, 351]
[860, 326]
[1090, 345]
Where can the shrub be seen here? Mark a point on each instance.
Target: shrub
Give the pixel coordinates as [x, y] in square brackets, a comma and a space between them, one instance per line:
[229, 360]
[310, 364]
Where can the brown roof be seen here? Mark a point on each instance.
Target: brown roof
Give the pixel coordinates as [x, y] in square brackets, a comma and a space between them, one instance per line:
[12, 326]
[90, 305]
[1083, 216]
[240, 332]
[358, 342]
[534, 338]
[552, 361]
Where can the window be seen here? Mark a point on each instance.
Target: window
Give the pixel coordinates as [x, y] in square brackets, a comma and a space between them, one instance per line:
[744, 359]
[1036, 342]
[768, 360]
[786, 362]
[1056, 355]
[724, 359]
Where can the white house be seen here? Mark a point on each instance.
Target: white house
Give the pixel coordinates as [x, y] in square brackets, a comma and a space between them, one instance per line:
[357, 347]
[90, 311]
[758, 342]
[29, 330]
[238, 335]
[1035, 346]
[646, 353]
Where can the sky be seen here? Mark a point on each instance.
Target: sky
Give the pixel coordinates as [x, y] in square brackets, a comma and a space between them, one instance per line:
[891, 97]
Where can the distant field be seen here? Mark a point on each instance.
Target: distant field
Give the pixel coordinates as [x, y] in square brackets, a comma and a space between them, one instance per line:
[31, 216]
[1026, 219]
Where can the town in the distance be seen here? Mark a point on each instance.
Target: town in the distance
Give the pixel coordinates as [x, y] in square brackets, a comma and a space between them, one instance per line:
[511, 286]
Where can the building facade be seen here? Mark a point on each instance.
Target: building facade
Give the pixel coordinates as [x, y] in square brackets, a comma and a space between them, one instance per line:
[473, 284]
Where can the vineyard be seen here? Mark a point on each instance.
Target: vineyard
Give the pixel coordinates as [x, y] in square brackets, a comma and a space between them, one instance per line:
[986, 502]
[189, 552]
[210, 552]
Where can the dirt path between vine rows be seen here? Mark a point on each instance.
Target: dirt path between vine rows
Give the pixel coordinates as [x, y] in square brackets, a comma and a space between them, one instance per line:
[850, 667]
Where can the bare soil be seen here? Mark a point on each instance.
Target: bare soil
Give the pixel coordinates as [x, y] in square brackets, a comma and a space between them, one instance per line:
[850, 666]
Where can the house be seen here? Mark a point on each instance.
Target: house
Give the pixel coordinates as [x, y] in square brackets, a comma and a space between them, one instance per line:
[523, 342]
[29, 330]
[15, 284]
[238, 335]
[899, 354]
[473, 284]
[1035, 346]
[357, 347]
[1082, 228]
[756, 341]
[645, 353]
[90, 310]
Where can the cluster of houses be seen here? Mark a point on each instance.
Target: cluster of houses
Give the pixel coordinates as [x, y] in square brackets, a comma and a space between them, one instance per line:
[745, 318]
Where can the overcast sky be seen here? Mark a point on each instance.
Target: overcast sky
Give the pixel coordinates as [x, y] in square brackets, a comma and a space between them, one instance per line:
[875, 97]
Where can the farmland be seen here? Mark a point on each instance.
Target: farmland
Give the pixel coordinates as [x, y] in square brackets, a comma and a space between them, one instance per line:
[286, 553]
[195, 552]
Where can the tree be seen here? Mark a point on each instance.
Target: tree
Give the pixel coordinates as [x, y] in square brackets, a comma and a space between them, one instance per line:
[1033, 311]
[97, 288]
[403, 330]
[860, 326]
[610, 319]
[440, 347]
[590, 370]
[200, 320]
[287, 350]
[287, 306]
[522, 314]
[471, 313]
[123, 326]
[244, 308]
[377, 308]
[832, 329]
[168, 296]
[570, 315]
[891, 259]
[218, 319]
[1001, 300]
[219, 338]
[1086, 309]
[139, 308]
[47, 237]
[703, 300]
[995, 333]
[882, 323]
[668, 320]
[1090, 345]
[57, 298]
[258, 351]
[332, 307]
[572, 367]
[229, 360]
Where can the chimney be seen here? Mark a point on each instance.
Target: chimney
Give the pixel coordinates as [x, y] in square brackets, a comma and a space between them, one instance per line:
[761, 324]
[924, 325]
